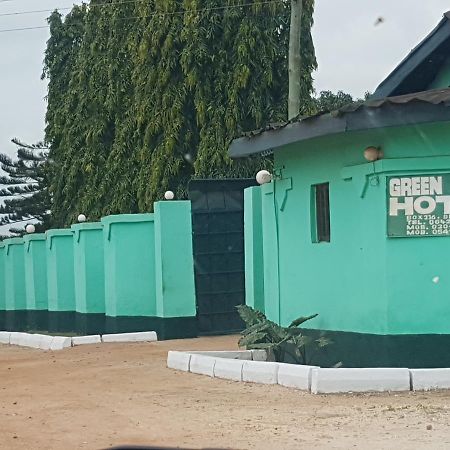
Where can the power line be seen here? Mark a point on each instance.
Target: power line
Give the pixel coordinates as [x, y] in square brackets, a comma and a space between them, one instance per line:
[162, 14]
[64, 8]
[23, 29]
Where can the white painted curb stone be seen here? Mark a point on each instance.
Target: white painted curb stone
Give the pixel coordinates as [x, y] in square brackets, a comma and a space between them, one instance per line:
[238, 354]
[4, 337]
[145, 336]
[295, 376]
[428, 379]
[327, 381]
[203, 365]
[229, 369]
[45, 342]
[15, 338]
[84, 340]
[60, 342]
[260, 372]
[34, 340]
[178, 361]
[259, 355]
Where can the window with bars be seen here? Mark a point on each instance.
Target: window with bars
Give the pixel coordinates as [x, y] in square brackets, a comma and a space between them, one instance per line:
[321, 212]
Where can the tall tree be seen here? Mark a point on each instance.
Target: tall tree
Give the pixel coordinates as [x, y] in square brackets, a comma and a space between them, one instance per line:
[146, 95]
[24, 192]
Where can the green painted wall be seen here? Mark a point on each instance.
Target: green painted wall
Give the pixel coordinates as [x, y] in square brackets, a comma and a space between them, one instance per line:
[36, 272]
[89, 271]
[175, 288]
[60, 270]
[15, 296]
[2, 277]
[129, 244]
[253, 244]
[442, 79]
[361, 281]
[133, 266]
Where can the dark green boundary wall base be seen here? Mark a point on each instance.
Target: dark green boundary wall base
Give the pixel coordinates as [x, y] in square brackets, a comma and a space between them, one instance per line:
[166, 328]
[61, 322]
[372, 350]
[83, 324]
[37, 320]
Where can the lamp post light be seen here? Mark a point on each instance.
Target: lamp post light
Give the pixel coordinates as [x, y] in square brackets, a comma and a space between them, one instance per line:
[372, 154]
[30, 228]
[263, 177]
[169, 195]
[81, 218]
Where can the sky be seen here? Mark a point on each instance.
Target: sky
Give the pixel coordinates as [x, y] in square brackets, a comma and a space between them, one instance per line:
[353, 54]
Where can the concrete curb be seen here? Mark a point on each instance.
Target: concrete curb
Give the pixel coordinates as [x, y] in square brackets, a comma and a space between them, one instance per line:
[250, 366]
[260, 372]
[145, 336]
[5, 337]
[203, 365]
[295, 376]
[179, 361]
[330, 381]
[60, 343]
[430, 379]
[238, 354]
[48, 342]
[229, 369]
[84, 340]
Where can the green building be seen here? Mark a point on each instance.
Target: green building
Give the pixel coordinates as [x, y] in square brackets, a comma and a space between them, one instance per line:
[355, 224]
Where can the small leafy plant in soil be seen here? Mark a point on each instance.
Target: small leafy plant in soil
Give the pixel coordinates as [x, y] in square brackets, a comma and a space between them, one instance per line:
[287, 344]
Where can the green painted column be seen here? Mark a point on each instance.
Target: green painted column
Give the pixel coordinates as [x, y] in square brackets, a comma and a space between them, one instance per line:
[89, 275]
[36, 280]
[253, 243]
[175, 286]
[61, 284]
[2, 287]
[15, 295]
[130, 295]
[271, 252]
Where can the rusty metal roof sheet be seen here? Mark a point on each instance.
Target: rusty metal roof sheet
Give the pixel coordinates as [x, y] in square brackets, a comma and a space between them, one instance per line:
[421, 107]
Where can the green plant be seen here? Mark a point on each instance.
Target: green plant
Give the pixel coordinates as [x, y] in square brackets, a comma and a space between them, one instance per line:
[284, 342]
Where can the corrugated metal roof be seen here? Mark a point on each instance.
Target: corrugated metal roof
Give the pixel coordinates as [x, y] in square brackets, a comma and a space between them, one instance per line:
[434, 97]
[403, 110]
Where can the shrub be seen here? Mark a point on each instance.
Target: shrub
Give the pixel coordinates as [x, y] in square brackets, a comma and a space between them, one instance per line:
[286, 343]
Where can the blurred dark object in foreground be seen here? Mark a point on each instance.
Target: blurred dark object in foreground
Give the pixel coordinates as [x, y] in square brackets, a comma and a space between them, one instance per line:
[139, 447]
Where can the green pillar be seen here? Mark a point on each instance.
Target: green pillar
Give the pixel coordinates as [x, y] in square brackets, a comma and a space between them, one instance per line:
[89, 274]
[253, 243]
[15, 296]
[175, 286]
[130, 297]
[2, 287]
[270, 251]
[36, 280]
[61, 284]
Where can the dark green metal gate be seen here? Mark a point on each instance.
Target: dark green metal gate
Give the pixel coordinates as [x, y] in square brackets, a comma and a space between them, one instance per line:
[218, 242]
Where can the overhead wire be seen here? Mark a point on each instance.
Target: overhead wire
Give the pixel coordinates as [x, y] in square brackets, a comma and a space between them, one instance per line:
[162, 14]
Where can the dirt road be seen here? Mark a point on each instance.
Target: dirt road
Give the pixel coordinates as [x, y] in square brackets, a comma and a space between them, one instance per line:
[94, 397]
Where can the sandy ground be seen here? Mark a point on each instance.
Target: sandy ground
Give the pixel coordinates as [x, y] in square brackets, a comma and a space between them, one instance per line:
[98, 396]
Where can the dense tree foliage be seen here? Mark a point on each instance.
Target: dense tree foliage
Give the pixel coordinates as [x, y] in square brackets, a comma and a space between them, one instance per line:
[24, 192]
[145, 95]
[330, 101]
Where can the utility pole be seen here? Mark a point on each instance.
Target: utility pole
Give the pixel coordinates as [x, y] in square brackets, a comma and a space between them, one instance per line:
[294, 59]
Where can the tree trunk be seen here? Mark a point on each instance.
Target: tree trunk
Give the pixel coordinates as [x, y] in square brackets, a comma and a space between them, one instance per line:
[294, 59]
